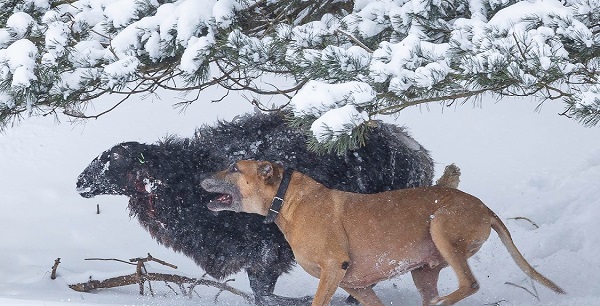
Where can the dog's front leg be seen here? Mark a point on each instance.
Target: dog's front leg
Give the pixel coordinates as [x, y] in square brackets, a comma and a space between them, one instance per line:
[332, 273]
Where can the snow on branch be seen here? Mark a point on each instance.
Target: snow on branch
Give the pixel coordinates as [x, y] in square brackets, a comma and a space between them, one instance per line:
[59, 57]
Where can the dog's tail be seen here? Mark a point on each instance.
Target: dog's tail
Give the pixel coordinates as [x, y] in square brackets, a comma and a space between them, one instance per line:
[450, 178]
[506, 239]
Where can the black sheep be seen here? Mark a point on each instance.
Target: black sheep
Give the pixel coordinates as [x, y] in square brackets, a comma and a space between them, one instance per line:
[162, 183]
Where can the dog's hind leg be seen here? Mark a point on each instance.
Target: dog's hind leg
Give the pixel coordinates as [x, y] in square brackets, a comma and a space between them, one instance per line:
[426, 280]
[457, 260]
[458, 231]
[366, 296]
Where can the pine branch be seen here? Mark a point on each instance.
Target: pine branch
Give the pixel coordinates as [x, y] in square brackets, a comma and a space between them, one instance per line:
[354, 39]
[405, 104]
[442, 53]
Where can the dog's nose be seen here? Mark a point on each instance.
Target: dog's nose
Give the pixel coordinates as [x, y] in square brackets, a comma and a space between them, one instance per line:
[199, 177]
[207, 183]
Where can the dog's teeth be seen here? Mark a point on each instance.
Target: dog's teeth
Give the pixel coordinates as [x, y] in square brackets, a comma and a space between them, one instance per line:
[224, 198]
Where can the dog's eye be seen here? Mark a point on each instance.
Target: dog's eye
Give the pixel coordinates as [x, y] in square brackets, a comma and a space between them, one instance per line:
[233, 168]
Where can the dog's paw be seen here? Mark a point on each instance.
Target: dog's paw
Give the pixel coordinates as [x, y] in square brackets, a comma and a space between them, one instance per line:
[438, 301]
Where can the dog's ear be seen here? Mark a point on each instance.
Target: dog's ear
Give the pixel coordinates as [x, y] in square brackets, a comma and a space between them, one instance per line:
[270, 173]
[265, 171]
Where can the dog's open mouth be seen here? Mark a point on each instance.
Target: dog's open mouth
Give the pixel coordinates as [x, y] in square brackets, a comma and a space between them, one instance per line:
[222, 202]
[228, 196]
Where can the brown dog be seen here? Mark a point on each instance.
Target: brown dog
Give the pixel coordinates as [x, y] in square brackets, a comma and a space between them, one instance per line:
[355, 240]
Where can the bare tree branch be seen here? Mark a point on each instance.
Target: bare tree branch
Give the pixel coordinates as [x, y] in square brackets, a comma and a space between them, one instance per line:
[534, 292]
[142, 275]
[354, 39]
[526, 219]
[133, 279]
[54, 267]
[111, 259]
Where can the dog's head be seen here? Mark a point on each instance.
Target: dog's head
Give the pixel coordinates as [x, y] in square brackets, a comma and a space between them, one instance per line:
[113, 172]
[245, 186]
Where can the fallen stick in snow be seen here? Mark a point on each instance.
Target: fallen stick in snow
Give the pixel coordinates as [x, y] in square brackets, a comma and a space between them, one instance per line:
[54, 267]
[132, 279]
[133, 261]
[534, 292]
[142, 275]
[150, 258]
[526, 219]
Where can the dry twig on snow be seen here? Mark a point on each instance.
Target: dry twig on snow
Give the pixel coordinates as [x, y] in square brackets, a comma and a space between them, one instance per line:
[534, 292]
[142, 275]
[526, 219]
[54, 267]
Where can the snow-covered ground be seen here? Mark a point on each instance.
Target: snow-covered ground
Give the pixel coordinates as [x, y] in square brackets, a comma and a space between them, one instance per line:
[521, 163]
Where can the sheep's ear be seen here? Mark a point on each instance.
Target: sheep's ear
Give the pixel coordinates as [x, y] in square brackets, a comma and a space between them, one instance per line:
[265, 171]
[122, 150]
[119, 156]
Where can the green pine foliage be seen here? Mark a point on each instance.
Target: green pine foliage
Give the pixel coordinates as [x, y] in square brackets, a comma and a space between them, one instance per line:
[57, 56]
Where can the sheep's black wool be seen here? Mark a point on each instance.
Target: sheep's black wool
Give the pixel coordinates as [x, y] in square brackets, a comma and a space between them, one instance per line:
[162, 181]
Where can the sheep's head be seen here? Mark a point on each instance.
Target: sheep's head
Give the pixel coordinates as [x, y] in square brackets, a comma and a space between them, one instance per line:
[121, 170]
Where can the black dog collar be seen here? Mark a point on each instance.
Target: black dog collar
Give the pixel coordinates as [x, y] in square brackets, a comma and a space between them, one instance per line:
[277, 202]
